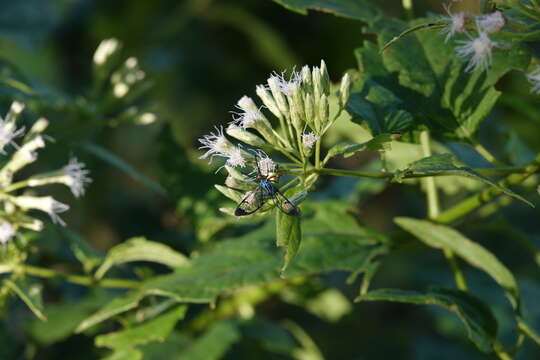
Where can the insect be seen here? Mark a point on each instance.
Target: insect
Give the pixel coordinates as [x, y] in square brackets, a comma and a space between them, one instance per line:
[265, 190]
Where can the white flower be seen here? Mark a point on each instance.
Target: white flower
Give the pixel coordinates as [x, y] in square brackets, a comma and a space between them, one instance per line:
[235, 158]
[217, 144]
[105, 49]
[266, 165]
[6, 231]
[309, 139]
[534, 79]
[76, 176]
[247, 118]
[287, 87]
[491, 23]
[456, 23]
[478, 50]
[8, 131]
[44, 203]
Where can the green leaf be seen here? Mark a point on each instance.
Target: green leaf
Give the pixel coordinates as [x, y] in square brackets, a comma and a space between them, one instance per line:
[475, 315]
[446, 164]
[125, 354]
[355, 9]
[30, 294]
[156, 329]
[140, 249]
[63, 318]
[424, 79]
[232, 194]
[348, 148]
[253, 260]
[444, 237]
[120, 164]
[288, 235]
[214, 343]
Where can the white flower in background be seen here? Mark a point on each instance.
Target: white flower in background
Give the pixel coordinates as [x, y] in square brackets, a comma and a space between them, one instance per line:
[534, 79]
[7, 231]
[309, 139]
[456, 23]
[235, 158]
[105, 49]
[478, 50]
[216, 144]
[44, 203]
[491, 23]
[76, 176]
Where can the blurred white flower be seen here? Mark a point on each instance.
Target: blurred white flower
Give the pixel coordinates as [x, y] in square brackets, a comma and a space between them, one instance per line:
[287, 87]
[44, 203]
[105, 49]
[478, 51]
[247, 118]
[534, 79]
[76, 176]
[456, 23]
[266, 165]
[491, 23]
[6, 231]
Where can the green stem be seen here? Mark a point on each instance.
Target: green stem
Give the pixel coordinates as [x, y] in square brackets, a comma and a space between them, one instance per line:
[318, 154]
[472, 203]
[434, 211]
[487, 155]
[74, 279]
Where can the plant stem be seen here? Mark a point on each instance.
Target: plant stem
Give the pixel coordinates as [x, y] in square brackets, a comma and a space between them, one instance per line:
[74, 279]
[434, 211]
[487, 155]
[318, 154]
[475, 201]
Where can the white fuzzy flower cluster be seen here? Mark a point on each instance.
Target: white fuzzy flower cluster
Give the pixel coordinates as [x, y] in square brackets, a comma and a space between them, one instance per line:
[16, 205]
[477, 49]
[300, 105]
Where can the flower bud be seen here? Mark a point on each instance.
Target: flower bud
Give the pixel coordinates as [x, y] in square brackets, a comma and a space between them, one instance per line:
[309, 109]
[325, 79]
[268, 101]
[105, 50]
[344, 90]
[306, 78]
[317, 85]
[245, 136]
[324, 112]
[274, 84]
[14, 111]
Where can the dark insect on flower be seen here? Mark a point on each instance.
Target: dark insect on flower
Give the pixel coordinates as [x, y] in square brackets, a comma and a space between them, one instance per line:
[255, 199]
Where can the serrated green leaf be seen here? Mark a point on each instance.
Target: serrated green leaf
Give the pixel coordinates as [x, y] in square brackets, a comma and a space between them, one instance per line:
[288, 235]
[475, 315]
[348, 148]
[140, 249]
[254, 260]
[444, 237]
[120, 164]
[446, 164]
[156, 329]
[432, 85]
[30, 294]
[214, 343]
[356, 9]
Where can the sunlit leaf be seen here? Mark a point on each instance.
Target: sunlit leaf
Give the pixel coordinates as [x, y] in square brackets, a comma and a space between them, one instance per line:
[288, 235]
[156, 329]
[356, 9]
[140, 249]
[446, 164]
[444, 237]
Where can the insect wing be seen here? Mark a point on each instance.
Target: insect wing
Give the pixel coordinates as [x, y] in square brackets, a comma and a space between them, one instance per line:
[285, 204]
[252, 202]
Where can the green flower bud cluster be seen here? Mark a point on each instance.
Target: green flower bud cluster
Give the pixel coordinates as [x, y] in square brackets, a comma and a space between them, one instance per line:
[300, 106]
